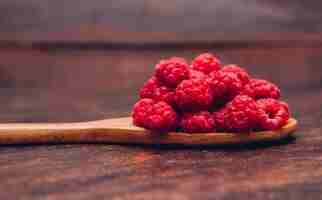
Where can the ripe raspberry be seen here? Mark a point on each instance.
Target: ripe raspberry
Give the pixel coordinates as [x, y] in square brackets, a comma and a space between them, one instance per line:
[274, 114]
[206, 63]
[193, 95]
[226, 85]
[239, 71]
[258, 88]
[172, 71]
[219, 117]
[153, 89]
[201, 122]
[157, 116]
[239, 115]
[196, 74]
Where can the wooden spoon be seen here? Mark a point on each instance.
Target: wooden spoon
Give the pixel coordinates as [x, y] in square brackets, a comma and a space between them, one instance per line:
[121, 130]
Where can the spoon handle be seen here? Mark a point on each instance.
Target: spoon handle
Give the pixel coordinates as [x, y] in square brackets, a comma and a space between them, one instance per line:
[39, 133]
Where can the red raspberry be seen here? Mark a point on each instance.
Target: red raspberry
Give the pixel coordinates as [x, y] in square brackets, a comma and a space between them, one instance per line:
[219, 117]
[196, 74]
[154, 90]
[206, 63]
[193, 95]
[239, 115]
[258, 88]
[201, 122]
[275, 114]
[239, 71]
[157, 116]
[172, 71]
[226, 85]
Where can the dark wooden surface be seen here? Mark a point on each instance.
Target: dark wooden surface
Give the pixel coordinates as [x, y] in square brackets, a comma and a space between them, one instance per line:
[62, 84]
[154, 21]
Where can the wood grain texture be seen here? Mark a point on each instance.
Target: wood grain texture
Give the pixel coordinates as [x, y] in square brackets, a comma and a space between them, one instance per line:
[122, 131]
[289, 169]
[153, 21]
[84, 74]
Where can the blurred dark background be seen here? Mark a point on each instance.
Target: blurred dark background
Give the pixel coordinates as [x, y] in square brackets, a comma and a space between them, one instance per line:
[82, 60]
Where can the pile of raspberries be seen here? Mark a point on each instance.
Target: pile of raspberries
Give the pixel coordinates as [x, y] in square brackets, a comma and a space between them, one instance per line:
[207, 97]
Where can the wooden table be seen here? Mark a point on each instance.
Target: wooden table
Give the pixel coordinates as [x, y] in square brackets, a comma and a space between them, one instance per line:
[58, 83]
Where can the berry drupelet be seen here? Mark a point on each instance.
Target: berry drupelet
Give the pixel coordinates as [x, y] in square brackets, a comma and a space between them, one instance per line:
[196, 74]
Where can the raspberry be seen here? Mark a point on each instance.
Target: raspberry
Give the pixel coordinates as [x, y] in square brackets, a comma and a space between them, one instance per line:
[196, 74]
[226, 85]
[239, 71]
[239, 115]
[205, 98]
[172, 71]
[206, 63]
[258, 88]
[157, 116]
[201, 122]
[274, 114]
[193, 95]
[219, 117]
[154, 90]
